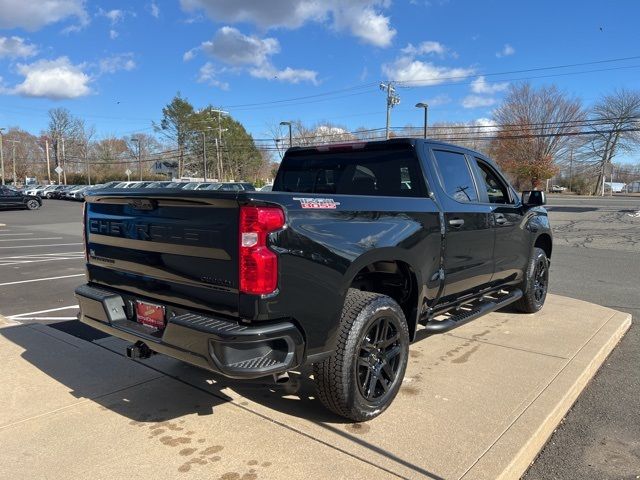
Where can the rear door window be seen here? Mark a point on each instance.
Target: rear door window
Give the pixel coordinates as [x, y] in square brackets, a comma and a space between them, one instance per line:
[370, 171]
[456, 176]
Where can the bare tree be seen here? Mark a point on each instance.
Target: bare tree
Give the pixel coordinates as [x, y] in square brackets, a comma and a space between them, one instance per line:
[614, 121]
[67, 136]
[536, 130]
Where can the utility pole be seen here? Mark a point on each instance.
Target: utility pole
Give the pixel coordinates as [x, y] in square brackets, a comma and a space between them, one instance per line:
[86, 162]
[13, 158]
[392, 100]
[218, 160]
[1, 156]
[64, 163]
[204, 154]
[46, 154]
[137, 140]
[219, 139]
[571, 170]
[426, 109]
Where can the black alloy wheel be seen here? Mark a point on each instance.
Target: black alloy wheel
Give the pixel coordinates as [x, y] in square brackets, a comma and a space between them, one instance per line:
[363, 375]
[535, 284]
[379, 359]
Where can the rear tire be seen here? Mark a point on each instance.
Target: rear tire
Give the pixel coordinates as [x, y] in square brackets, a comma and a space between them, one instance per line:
[32, 205]
[536, 283]
[363, 375]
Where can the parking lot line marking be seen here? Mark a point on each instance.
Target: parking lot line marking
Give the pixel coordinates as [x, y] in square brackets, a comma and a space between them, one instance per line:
[52, 245]
[44, 318]
[41, 279]
[20, 315]
[29, 239]
[12, 234]
[24, 262]
[31, 255]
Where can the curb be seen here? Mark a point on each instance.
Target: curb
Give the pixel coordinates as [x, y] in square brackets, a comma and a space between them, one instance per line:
[540, 420]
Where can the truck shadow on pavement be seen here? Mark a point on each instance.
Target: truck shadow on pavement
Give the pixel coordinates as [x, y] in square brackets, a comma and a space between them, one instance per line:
[159, 395]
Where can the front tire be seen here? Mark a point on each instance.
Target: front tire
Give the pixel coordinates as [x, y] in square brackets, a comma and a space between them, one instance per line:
[32, 205]
[536, 283]
[363, 375]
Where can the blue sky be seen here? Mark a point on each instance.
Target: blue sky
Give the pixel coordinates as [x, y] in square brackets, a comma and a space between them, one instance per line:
[117, 63]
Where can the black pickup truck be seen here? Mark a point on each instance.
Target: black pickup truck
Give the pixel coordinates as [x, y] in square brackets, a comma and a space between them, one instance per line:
[356, 246]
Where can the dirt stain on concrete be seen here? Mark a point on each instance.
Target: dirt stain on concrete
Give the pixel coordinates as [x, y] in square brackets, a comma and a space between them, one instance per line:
[409, 391]
[174, 441]
[358, 428]
[211, 450]
[185, 452]
[464, 358]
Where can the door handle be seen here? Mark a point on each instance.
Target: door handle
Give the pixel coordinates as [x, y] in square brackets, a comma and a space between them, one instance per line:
[501, 220]
[456, 222]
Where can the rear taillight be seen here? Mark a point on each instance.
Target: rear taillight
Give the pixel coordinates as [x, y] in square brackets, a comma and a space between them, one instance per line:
[258, 264]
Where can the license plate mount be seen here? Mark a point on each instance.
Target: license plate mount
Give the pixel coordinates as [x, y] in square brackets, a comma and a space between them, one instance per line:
[150, 315]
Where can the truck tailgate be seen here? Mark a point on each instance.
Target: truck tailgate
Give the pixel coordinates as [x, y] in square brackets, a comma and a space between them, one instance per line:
[171, 247]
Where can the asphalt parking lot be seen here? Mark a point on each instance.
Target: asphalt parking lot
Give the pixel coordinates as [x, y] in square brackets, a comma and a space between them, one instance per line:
[596, 258]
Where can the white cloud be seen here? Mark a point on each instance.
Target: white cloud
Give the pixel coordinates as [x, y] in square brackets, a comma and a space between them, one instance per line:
[154, 9]
[189, 55]
[417, 73]
[208, 74]
[32, 15]
[425, 48]
[114, 16]
[113, 34]
[55, 79]
[290, 75]
[506, 51]
[476, 101]
[16, 47]
[480, 86]
[363, 18]
[441, 99]
[484, 122]
[232, 47]
[115, 63]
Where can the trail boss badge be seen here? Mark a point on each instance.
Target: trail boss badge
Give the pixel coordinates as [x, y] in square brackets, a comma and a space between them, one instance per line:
[323, 203]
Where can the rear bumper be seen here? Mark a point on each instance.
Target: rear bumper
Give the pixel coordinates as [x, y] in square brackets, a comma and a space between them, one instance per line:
[220, 345]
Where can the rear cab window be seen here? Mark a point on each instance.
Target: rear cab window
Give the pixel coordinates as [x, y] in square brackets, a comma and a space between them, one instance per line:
[389, 170]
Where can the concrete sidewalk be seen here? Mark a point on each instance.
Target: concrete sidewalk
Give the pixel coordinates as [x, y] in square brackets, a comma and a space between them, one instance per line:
[478, 402]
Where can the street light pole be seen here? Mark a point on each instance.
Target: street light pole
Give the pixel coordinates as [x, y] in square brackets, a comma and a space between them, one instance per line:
[426, 109]
[290, 133]
[1, 156]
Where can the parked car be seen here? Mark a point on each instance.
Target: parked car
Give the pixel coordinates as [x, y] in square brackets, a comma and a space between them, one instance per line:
[557, 189]
[34, 189]
[59, 193]
[266, 188]
[232, 186]
[11, 197]
[69, 194]
[50, 192]
[335, 268]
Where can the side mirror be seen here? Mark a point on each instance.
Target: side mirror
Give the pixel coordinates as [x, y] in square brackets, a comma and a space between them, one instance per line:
[533, 198]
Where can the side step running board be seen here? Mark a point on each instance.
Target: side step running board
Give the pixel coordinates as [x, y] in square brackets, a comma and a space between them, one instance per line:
[484, 306]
